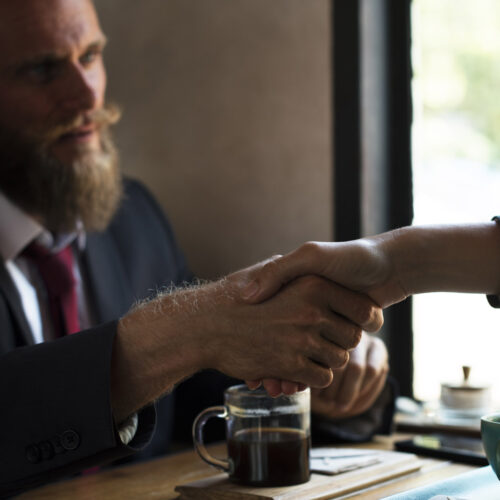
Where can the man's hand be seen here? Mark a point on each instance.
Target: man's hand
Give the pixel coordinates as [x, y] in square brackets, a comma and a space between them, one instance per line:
[356, 386]
[295, 335]
[296, 331]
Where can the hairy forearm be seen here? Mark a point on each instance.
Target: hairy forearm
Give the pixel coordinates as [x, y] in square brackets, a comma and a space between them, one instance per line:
[153, 352]
[461, 258]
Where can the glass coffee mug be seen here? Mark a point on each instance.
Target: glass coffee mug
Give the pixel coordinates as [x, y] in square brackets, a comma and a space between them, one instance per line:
[268, 439]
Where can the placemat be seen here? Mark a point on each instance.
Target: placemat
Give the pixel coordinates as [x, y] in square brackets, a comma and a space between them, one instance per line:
[392, 464]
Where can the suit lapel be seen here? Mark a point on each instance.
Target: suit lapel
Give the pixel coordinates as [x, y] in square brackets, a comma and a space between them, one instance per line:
[108, 282]
[108, 285]
[13, 299]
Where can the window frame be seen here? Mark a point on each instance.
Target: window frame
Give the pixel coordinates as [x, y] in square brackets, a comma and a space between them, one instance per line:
[372, 115]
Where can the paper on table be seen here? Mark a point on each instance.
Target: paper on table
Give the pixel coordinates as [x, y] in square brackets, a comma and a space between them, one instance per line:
[334, 461]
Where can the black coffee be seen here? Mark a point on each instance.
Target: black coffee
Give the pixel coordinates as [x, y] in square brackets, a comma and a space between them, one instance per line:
[270, 456]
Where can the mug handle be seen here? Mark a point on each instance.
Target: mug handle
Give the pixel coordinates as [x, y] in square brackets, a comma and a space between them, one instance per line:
[198, 424]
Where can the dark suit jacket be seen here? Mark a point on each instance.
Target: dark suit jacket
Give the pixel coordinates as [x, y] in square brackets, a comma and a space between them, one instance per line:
[55, 408]
[56, 415]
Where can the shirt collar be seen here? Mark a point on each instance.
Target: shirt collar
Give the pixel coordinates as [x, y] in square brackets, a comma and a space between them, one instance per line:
[18, 229]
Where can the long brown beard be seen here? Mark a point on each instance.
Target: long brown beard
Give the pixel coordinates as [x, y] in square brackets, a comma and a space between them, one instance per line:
[58, 194]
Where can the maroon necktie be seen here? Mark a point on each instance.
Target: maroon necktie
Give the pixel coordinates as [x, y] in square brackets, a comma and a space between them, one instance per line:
[56, 271]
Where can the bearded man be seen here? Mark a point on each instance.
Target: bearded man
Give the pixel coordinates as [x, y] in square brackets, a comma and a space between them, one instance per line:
[74, 401]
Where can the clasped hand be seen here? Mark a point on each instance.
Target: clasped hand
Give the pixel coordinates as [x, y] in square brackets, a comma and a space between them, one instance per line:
[296, 332]
[358, 383]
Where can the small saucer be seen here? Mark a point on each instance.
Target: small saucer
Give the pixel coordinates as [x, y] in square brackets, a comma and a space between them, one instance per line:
[460, 416]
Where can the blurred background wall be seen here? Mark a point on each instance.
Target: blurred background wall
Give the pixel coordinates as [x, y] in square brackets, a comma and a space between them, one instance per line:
[227, 120]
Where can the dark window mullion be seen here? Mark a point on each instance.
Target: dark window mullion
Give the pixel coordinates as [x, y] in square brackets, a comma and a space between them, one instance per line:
[386, 179]
[346, 119]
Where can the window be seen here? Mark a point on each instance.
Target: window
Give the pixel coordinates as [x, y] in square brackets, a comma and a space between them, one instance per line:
[456, 175]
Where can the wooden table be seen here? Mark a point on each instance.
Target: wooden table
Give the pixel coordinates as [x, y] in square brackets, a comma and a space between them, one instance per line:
[156, 479]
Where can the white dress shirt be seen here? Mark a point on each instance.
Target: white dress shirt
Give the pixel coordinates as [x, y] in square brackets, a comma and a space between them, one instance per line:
[17, 230]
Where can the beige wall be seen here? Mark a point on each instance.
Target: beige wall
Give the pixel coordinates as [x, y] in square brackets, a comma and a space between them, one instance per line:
[226, 119]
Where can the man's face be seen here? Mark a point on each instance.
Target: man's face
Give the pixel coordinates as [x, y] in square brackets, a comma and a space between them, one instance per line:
[52, 86]
[51, 70]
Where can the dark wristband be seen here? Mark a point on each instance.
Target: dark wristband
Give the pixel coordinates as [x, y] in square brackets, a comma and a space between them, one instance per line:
[494, 300]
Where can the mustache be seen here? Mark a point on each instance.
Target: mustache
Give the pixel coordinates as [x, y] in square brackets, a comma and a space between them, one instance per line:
[104, 117]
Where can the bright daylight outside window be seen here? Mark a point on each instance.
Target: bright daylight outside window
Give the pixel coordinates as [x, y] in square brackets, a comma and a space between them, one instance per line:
[456, 162]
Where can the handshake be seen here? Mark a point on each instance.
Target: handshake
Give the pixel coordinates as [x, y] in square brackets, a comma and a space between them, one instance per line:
[330, 321]
[300, 319]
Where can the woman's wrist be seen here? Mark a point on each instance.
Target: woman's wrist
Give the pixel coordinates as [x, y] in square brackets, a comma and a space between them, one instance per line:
[448, 258]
